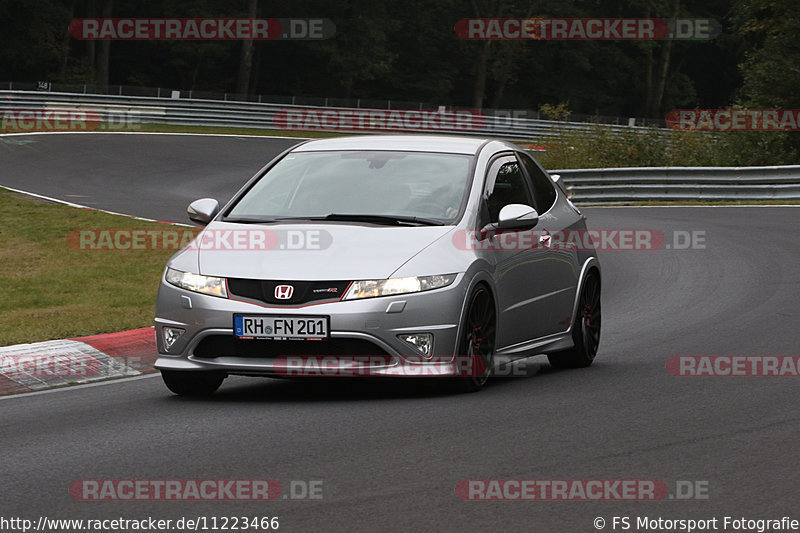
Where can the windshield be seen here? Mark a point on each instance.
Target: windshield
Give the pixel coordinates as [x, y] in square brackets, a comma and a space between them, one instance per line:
[319, 184]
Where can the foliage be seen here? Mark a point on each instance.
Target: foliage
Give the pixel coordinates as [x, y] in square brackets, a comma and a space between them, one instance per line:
[602, 147]
[555, 112]
[408, 50]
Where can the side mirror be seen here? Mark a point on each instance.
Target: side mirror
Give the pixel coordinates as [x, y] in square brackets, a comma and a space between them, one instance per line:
[203, 210]
[517, 217]
[512, 217]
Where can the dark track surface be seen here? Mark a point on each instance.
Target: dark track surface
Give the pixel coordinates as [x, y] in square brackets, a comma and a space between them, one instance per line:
[154, 176]
[390, 455]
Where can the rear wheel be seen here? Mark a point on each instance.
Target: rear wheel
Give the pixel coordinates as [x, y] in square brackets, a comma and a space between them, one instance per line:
[192, 383]
[477, 342]
[585, 328]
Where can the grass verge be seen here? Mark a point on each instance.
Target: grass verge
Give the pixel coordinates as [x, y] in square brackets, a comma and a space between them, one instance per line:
[52, 290]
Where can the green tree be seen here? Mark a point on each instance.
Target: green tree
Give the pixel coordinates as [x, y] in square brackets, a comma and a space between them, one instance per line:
[771, 68]
[771, 74]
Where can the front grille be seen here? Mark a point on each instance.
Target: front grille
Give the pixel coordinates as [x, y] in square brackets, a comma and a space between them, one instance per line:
[228, 345]
[302, 291]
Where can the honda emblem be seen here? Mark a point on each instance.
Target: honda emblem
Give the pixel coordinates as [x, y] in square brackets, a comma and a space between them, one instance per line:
[283, 292]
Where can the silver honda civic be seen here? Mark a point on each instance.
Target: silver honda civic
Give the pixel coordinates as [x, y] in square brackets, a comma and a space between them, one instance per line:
[382, 256]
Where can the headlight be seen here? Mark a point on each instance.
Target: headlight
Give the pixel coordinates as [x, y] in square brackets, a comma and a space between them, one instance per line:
[197, 283]
[388, 287]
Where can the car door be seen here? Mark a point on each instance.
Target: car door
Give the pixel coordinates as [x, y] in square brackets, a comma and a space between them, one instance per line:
[522, 267]
[559, 267]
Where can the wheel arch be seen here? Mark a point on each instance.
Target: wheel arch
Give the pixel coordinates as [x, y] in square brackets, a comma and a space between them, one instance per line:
[481, 278]
[590, 266]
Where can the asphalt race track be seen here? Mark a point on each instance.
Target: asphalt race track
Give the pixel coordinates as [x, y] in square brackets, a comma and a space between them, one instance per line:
[390, 455]
[155, 176]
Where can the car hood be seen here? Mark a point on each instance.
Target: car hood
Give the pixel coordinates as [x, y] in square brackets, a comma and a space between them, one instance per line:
[329, 251]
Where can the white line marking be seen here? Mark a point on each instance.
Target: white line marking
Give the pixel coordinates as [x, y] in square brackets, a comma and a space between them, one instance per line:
[79, 206]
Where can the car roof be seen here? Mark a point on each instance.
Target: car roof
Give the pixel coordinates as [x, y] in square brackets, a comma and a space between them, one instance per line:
[404, 143]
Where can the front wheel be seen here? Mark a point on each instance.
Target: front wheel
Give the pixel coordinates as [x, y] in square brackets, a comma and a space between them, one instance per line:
[477, 341]
[585, 328]
[192, 383]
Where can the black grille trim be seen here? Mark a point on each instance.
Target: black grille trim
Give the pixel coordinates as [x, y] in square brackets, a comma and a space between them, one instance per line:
[228, 345]
[303, 291]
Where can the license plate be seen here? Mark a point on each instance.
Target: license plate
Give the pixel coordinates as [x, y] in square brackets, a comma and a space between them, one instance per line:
[283, 328]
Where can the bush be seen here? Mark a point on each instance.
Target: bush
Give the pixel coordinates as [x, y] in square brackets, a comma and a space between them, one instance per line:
[601, 147]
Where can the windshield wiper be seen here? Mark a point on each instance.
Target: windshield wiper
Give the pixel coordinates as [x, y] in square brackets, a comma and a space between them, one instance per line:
[388, 220]
[250, 220]
[394, 220]
[267, 220]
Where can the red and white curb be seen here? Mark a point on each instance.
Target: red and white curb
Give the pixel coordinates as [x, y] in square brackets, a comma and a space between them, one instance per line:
[44, 365]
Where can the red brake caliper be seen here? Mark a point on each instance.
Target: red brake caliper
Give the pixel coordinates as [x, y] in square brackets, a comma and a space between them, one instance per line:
[586, 316]
[476, 339]
[476, 346]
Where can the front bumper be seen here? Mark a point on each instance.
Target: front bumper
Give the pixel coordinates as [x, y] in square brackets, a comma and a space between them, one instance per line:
[363, 335]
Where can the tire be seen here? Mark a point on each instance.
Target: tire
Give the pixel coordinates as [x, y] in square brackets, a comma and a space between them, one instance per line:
[585, 328]
[194, 383]
[477, 340]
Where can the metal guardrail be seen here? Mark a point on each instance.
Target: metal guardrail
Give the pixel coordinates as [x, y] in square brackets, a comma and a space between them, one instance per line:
[664, 184]
[127, 112]
[366, 103]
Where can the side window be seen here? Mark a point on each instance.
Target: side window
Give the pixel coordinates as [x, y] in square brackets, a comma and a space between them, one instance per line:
[543, 190]
[507, 185]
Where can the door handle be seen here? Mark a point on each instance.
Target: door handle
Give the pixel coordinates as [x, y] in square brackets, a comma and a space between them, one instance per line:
[544, 238]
